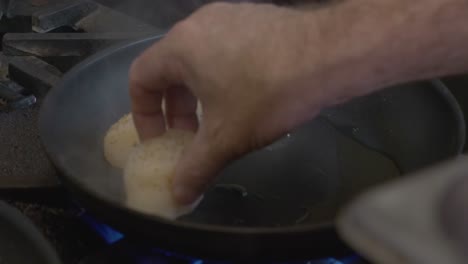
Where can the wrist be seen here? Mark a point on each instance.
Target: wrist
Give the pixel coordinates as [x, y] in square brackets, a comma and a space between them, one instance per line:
[366, 45]
[351, 39]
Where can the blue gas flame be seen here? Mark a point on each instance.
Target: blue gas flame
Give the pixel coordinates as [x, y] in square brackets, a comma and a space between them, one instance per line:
[109, 234]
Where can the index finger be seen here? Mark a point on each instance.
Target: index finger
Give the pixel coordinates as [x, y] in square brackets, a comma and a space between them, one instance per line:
[150, 75]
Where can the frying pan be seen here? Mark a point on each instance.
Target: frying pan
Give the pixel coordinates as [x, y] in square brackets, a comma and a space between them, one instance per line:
[277, 202]
[20, 241]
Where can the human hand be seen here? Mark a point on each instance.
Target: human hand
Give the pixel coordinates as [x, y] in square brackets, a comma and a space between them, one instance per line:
[249, 65]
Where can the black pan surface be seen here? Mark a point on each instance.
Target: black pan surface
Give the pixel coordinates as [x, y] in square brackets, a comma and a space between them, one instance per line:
[284, 196]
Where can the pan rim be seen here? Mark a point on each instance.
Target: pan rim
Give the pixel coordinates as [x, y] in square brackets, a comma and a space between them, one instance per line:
[70, 177]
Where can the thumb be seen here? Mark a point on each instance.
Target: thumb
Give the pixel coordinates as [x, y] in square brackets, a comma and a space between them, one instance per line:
[198, 167]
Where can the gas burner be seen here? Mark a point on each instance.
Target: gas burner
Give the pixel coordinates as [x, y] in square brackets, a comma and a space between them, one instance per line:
[124, 250]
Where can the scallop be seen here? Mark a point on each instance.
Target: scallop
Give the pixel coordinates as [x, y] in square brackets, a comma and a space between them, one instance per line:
[120, 140]
[148, 175]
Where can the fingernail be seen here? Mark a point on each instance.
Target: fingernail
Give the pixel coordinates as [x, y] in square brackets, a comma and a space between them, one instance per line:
[184, 195]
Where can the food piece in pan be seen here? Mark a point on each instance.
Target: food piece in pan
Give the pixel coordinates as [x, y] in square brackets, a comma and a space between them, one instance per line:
[119, 141]
[148, 175]
[122, 137]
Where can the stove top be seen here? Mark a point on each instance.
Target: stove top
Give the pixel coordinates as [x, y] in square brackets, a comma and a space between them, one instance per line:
[41, 41]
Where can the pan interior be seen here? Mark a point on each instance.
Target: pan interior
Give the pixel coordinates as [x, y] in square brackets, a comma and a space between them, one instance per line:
[301, 179]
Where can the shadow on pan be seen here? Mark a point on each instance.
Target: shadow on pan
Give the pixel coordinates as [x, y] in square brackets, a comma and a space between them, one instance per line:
[285, 195]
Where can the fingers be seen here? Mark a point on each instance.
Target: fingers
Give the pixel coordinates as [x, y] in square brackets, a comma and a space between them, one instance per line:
[198, 166]
[147, 114]
[150, 75]
[181, 106]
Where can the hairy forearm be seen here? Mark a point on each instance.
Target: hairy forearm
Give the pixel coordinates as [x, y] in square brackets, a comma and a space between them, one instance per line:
[373, 44]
